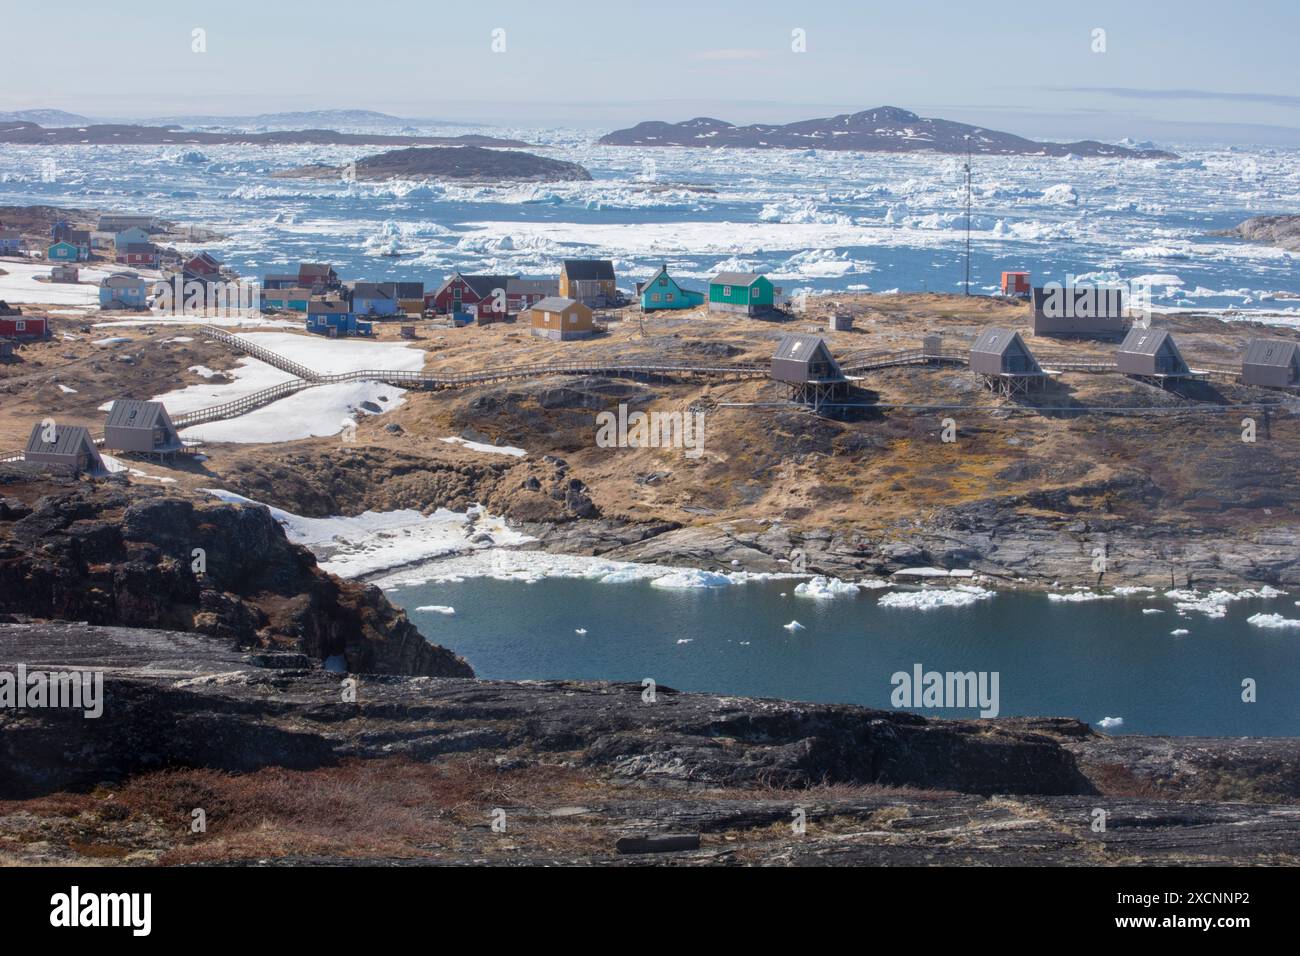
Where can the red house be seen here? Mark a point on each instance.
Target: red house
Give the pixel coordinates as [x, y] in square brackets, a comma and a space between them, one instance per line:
[473, 294]
[202, 267]
[23, 327]
[139, 254]
[1016, 283]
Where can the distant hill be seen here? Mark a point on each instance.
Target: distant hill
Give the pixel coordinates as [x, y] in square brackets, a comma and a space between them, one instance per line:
[887, 129]
[45, 117]
[31, 134]
[309, 119]
[451, 162]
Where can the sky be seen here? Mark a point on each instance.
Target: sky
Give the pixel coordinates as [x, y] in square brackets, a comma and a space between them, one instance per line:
[1172, 70]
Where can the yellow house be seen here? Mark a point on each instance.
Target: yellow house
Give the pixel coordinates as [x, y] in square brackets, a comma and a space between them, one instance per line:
[560, 319]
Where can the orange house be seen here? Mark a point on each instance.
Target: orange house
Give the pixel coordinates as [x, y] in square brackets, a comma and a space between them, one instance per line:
[1016, 284]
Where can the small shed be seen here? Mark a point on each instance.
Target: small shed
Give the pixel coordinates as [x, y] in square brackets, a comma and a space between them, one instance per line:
[1272, 363]
[561, 319]
[139, 426]
[1002, 359]
[334, 319]
[1016, 284]
[65, 274]
[840, 322]
[744, 292]
[63, 445]
[11, 242]
[1150, 353]
[19, 326]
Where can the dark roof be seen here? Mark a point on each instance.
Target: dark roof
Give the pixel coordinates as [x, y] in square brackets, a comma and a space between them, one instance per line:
[585, 270]
[281, 277]
[1144, 341]
[78, 235]
[1273, 352]
[481, 286]
[798, 347]
[373, 290]
[545, 287]
[735, 278]
[68, 440]
[139, 247]
[10, 234]
[136, 413]
[995, 341]
[315, 269]
[409, 290]
[323, 307]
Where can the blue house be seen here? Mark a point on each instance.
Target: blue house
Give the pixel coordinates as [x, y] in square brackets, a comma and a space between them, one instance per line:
[123, 290]
[661, 291]
[373, 298]
[335, 320]
[11, 242]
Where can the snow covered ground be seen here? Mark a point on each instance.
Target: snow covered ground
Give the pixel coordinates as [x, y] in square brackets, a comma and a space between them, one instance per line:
[317, 412]
[19, 286]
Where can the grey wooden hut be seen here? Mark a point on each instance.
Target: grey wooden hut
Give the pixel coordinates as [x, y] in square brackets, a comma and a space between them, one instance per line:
[805, 364]
[1151, 353]
[1271, 363]
[139, 426]
[1001, 358]
[1079, 311]
[71, 445]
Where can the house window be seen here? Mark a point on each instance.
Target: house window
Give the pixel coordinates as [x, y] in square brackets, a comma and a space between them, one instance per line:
[669, 296]
[20, 326]
[663, 281]
[573, 320]
[726, 290]
[654, 297]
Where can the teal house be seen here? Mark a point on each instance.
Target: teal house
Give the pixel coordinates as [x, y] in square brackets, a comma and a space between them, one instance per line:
[63, 251]
[743, 292]
[661, 291]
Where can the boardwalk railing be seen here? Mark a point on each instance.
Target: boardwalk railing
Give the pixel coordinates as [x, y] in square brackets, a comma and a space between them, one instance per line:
[295, 369]
[11, 456]
[867, 361]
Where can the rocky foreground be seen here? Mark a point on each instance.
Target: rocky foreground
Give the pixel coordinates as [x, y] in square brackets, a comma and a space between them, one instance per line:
[298, 765]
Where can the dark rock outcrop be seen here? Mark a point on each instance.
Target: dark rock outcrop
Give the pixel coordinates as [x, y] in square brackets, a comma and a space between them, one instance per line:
[451, 162]
[122, 555]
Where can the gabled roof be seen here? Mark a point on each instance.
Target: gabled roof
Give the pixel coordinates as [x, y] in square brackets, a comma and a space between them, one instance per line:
[68, 440]
[122, 280]
[554, 303]
[661, 271]
[373, 290]
[735, 278]
[408, 290]
[136, 413]
[281, 277]
[586, 270]
[1144, 341]
[543, 287]
[995, 341]
[1272, 352]
[325, 307]
[139, 248]
[804, 348]
[483, 286]
[80, 236]
[315, 270]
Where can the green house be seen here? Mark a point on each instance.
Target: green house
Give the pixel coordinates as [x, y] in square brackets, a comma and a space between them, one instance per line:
[744, 292]
[661, 291]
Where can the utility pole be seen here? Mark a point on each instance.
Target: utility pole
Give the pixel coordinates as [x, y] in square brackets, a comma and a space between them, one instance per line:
[967, 137]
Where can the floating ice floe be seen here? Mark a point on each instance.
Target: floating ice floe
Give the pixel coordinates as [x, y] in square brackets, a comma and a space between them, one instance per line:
[823, 588]
[793, 626]
[932, 598]
[932, 573]
[580, 631]
[437, 608]
[1180, 632]
[693, 578]
[1077, 597]
[1274, 621]
[1109, 723]
[1128, 590]
[1214, 604]
[1152, 610]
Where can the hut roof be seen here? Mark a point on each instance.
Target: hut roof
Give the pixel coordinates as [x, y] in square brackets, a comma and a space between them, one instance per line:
[585, 270]
[554, 303]
[735, 278]
[1272, 352]
[68, 440]
[136, 413]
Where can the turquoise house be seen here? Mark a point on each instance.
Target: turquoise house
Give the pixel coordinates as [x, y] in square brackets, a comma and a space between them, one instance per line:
[745, 292]
[63, 251]
[661, 291]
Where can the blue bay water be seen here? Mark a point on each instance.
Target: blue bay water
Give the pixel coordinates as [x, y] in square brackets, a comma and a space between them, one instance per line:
[1087, 660]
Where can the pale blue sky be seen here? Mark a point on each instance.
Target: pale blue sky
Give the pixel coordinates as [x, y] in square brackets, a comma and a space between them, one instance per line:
[1172, 68]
